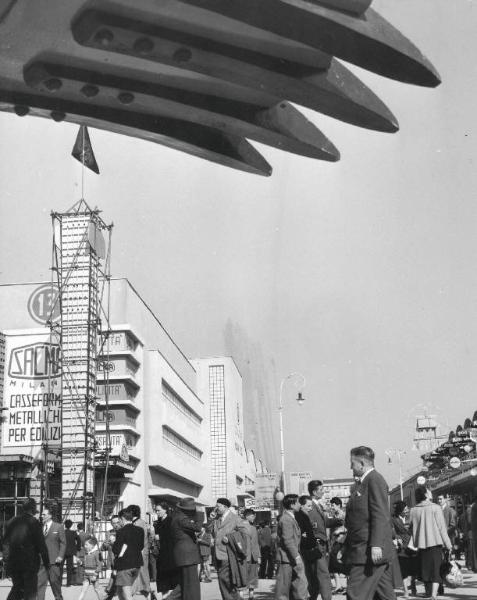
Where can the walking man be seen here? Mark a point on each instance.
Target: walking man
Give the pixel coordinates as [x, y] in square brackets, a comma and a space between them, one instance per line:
[369, 548]
[127, 550]
[265, 543]
[253, 551]
[23, 546]
[223, 524]
[55, 541]
[291, 579]
[318, 575]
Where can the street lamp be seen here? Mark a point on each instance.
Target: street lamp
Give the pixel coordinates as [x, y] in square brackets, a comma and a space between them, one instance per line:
[300, 400]
[396, 452]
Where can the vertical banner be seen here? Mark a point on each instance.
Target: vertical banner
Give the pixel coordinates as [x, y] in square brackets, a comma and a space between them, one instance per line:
[299, 482]
[31, 394]
[265, 485]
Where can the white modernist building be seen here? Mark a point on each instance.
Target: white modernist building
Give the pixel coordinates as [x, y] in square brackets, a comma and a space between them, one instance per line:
[174, 427]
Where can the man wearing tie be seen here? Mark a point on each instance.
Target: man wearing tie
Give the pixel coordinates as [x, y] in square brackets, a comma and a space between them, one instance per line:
[56, 545]
[368, 548]
[318, 575]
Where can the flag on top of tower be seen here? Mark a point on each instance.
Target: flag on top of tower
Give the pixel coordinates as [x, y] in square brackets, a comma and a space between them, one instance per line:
[83, 150]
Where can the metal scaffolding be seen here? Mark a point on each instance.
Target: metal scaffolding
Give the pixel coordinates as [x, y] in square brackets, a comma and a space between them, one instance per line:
[79, 254]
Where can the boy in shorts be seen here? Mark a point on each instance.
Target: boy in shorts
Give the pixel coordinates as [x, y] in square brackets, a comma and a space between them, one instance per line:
[93, 565]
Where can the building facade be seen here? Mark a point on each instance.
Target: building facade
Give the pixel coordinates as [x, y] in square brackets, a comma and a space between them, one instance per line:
[233, 467]
[165, 428]
[150, 430]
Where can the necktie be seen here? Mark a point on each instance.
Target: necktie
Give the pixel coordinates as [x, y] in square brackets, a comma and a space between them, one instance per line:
[45, 528]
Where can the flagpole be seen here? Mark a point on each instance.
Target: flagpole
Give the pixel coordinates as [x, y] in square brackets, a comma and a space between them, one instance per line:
[82, 165]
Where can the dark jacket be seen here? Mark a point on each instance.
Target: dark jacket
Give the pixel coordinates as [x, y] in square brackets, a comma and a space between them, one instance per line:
[55, 542]
[308, 540]
[368, 521]
[183, 530]
[237, 557]
[24, 544]
[133, 537]
[73, 542]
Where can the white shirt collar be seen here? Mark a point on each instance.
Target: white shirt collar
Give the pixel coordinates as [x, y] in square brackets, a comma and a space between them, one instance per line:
[363, 476]
[225, 515]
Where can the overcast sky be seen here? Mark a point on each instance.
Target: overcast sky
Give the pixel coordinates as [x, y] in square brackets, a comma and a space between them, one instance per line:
[360, 274]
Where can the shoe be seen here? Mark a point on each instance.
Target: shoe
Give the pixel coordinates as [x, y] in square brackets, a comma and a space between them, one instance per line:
[207, 580]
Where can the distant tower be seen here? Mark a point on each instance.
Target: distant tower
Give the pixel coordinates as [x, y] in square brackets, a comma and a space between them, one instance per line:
[78, 249]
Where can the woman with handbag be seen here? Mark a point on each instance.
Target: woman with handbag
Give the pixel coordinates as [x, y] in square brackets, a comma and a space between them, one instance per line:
[407, 555]
[429, 536]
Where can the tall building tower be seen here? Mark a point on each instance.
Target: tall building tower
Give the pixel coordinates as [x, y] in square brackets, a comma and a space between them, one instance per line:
[79, 248]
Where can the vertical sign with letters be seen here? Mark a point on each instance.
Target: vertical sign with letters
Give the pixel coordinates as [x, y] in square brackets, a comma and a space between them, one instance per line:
[31, 394]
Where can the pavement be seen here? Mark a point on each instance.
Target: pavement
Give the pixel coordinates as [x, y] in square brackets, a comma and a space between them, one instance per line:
[265, 591]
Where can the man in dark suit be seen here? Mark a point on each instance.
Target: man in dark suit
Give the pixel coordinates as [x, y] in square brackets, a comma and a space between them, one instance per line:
[184, 529]
[291, 579]
[73, 545]
[127, 550]
[369, 549]
[318, 575]
[309, 548]
[23, 546]
[55, 541]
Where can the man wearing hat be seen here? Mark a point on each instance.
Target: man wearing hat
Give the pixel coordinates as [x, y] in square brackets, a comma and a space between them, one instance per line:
[223, 524]
[184, 529]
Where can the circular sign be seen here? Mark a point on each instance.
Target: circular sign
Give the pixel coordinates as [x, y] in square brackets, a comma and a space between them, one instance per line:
[454, 462]
[43, 304]
[421, 480]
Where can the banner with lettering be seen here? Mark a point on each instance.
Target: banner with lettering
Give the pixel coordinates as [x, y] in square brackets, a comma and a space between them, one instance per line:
[265, 486]
[31, 394]
[299, 482]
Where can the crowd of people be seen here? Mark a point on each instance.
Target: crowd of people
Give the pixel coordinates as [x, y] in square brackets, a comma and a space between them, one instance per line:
[314, 549]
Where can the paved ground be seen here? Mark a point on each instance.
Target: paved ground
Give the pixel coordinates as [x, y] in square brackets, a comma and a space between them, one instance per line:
[210, 591]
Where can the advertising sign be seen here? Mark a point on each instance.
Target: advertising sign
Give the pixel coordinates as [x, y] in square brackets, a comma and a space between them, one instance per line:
[299, 482]
[265, 485]
[32, 394]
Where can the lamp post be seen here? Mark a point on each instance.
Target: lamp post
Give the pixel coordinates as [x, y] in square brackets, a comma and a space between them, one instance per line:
[397, 452]
[300, 401]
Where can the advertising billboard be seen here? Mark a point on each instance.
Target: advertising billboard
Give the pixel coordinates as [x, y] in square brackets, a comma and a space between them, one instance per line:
[31, 394]
[299, 482]
[265, 486]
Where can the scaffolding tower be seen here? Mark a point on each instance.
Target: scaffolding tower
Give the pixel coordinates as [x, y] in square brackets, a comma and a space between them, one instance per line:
[79, 254]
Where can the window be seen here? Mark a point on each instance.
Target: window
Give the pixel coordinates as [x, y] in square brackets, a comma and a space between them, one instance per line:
[218, 441]
[172, 438]
[178, 404]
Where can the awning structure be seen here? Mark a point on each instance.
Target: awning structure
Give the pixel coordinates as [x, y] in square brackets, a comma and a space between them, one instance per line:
[169, 494]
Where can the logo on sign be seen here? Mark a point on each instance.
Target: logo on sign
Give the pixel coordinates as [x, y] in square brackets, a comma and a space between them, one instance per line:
[35, 361]
[106, 366]
[43, 304]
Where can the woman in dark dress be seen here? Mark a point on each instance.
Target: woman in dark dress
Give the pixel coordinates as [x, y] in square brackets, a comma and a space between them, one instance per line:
[407, 557]
[167, 577]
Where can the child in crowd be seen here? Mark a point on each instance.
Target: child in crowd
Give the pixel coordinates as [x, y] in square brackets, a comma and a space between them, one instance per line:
[93, 565]
[336, 564]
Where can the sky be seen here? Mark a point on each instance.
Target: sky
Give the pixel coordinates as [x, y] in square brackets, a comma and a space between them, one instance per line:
[360, 274]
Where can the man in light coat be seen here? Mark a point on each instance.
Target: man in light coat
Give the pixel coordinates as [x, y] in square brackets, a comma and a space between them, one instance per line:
[223, 523]
[291, 579]
[253, 551]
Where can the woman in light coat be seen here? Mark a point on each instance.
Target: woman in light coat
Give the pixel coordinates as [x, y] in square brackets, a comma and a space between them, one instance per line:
[429, 536]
